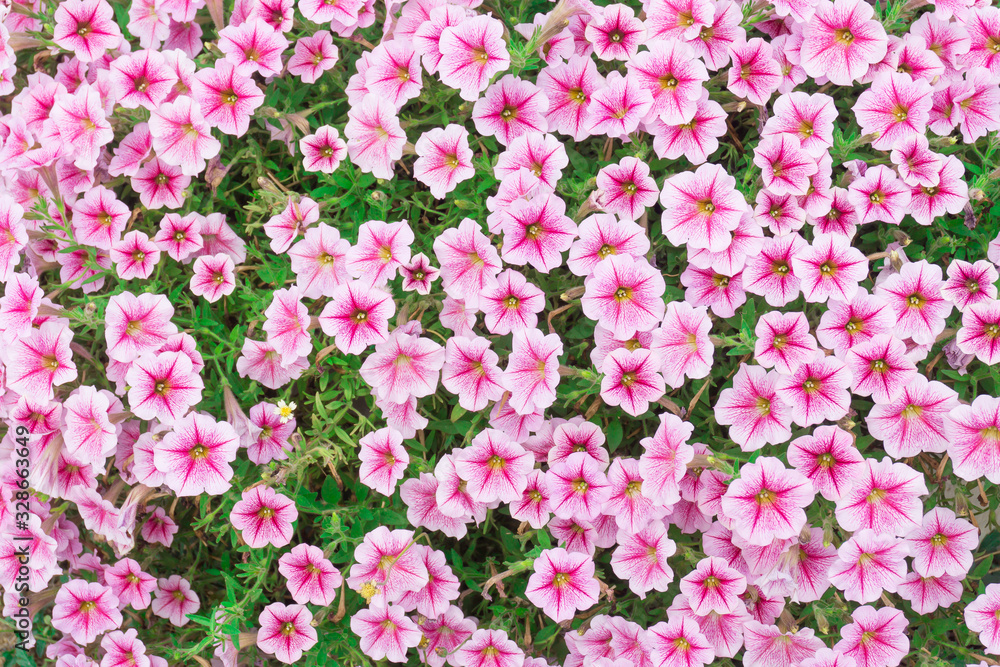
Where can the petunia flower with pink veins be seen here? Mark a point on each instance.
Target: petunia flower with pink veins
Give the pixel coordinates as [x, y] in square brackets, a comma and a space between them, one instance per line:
[868, 564]
[880, 367]
[767, 502]
[418, 274]
[226, 97]
[769, 646]
[980, 331]
[533, 506]
[472, 52]
[196, 455]
[664, 460]
[513, 305]
[601, 236]
[494, 468]
[99, 218]
[444, 159]
[314, 54]
[632, 380]
[942, 544]
[926, 594]
[753, 409]
[577, 487]
[970, 284]
[755, 74]
[885, 498]
[323, 150]
[624, 294]
[982, 616]
[264, 517]
[253, 46]
[842, 40]
[382, 247]
[404, 365]
[973, 441]
[809, 118]
[160, 184]
[879, 196]
[40, 361]
[384, 564]
[895, 108]
[915, 301]
[616, 34]
[817, 391]
[779, 213]
[85, 610]
[489, 648]
[309, 576]
[913, 422]
[469, 262]
[783, 341]
[916, 162]
[509, 109]
[949, 195]
[542, 154]
[713, 587]
[721, 292]
[641, 559]
[696, 139]
[357, 316]
[181, 136]
[616, 109]
[785, 167]
[383, 460]
[830, 268]
[626, 188]
[286, 324]
[682, 343]
[130, 584]
[394, 72]
[385, 632]
[375, 139]
[679, 642]
[537, 232]
[678, 19]
[286, 631]
[770, 273]
[532, 371]
[81, 123]
[562, 584]
[701, 208]
[214, 277]
[87, 430]
[343, 12]
[828, 458]
[471, 372]
[87, 28]
[141, 79]
[671, 74]
[319, 261]
[569, 87]
[175, 600]
[876, 638]
[19, 306]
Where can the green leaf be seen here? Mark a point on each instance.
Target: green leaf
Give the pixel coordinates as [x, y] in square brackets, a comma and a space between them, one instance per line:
[614, 433]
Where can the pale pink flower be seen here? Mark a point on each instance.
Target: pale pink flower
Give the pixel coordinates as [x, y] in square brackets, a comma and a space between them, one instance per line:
[627, 189]
[323, 151]
[783, 341]
[253, 46]
[513, 305]
[196, 456]
[982, 615]
[532, 371]
[314, 54]
[913, 422]
[868, 564]
[86, 27]
[85, 610]
[755, 74]
[753, 409]
[616, 109]
[641, 559]
[624, 294]
[385, 632]
[264, 517]
[357, 316]
[509, 109]
[181, 136]
[472, 52]
[767, 501]
[943, 544]
[876, 638]
[973, 444]
[842, 40]
[562, 584]
[490, 648]
[444, 159]
[895, 108]
[40, 361]
[701, 208]
[537, 232]
[383, 460]
[713, 587]
[880, 367]
[632, 380]
[602, 235]
[471, 372]
[309, 576]
[673, 77]
[393, 72]
[616, 33]
[285, 631]
[885, 498]
[386, 561]
[404, 365]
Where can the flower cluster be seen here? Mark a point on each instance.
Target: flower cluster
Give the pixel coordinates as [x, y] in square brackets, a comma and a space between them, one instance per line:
[672, 324]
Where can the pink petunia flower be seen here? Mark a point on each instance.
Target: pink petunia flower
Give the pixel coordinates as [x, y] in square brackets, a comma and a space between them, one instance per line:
[842, 40]
[181, 136]
[673, 77]
[783, 341]
[510, 108]
[829, 268]
[753, 409]
[214, 277]
[767, 502]
[627, 189]
[253, 46]
[490, 648]
[533, 506]
[542, 154]
[471, 372]
[817, 391]
[926, 594]
[713, 587]
[357, 316]
[141, 79]
[896, 107]
[130, 584]
[195, 456]
[696, 139]
[980, 331]
[942, 544]
[876, 638]
[562, 584]
[755, 73]
[913, 422]
[770, 273]
[383, 460]
[385, 564]
[616, 109]
[314, 54]
[569, 87]
[323, 151]
[632, 380]
[809, 118]
[404, 365]
[385, 632]
[393, 72]
[285, 631]
[160, 184]
[701, 208]
[879, 196]
[625, 295]
[602, 235]
[494, 468]
[885, 498]
[264, 517]
[537, 232]
[880, 367]
[472, 52]
[532, 371]
[683, 344]
[982, 615]
[444, 159]
[87, 28]
[40, 361]
[868, 564]
[85, 610]
[616, 33]
[641, 559]
[679, 642]
[513, 305]
[469, 262]
[309, 576]
[970, 284]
